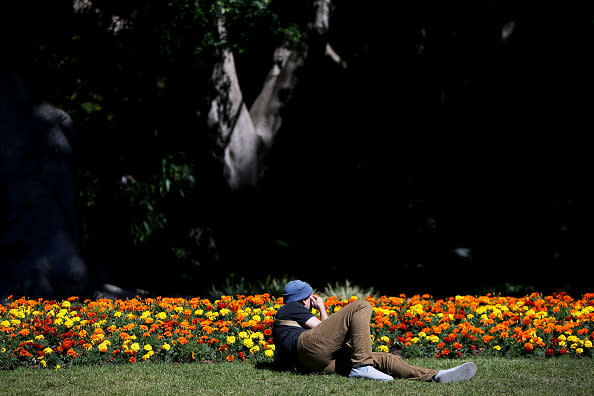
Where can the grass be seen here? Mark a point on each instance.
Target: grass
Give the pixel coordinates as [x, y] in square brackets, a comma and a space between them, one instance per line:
[495, 376]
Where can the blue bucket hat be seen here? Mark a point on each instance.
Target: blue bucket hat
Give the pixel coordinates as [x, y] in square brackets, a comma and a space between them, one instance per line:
[296, 290]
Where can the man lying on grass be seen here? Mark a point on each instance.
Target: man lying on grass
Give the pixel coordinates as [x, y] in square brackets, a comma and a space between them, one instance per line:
[306, 342]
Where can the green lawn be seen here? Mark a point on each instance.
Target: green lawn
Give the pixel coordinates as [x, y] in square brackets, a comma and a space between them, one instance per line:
[495, 376]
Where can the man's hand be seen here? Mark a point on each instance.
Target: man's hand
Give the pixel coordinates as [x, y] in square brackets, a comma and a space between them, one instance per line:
[317, 302]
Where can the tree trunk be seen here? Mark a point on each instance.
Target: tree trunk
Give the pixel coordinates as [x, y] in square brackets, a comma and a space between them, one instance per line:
[39, 239]
[243, 139]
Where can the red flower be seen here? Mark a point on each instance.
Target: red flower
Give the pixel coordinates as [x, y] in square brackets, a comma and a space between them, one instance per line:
[549, 352]
[67, 344]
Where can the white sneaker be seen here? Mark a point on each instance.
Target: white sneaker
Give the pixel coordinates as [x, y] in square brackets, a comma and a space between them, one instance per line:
[462, 372]
[369, 372]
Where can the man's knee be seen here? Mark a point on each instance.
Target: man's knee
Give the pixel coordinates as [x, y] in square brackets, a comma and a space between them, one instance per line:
[362, 304]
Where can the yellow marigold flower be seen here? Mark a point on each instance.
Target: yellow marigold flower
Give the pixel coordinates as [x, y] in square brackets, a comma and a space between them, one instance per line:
[161, 316]
[383, 348]
[422, 334]
[43, 363]
[469, 316]
[39, 337]
[2, 350]
[254, 349]
[257, 318]
[269, 353]
[198, 312]
[48, 350]
[414, 340]
[66, 304]
[385, 339]
[230, 340]
[242, 334]
[148, 347]
[225, 311]
[588, 344]
[579, 351]
[135, 347]
[102, 347]
[58, 367]
[497, 347]
[248, 343]
[117, 314]
[166, 346]
[5, 323]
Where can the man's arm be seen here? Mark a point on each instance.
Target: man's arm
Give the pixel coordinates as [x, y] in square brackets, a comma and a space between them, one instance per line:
[318, 303]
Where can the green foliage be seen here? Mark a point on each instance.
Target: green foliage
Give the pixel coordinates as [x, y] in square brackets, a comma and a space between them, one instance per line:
[346, 290]
[150, 200]
[232, 286]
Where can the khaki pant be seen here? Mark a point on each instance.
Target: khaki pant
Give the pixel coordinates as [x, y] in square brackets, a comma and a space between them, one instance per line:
[324, 348]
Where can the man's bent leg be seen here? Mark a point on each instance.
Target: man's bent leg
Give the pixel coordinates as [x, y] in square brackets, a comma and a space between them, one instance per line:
[317, 347]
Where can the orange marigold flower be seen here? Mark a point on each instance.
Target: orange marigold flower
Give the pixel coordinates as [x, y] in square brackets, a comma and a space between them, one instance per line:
[132, 359]
[230, 358]
[529, 347]
[182, 340]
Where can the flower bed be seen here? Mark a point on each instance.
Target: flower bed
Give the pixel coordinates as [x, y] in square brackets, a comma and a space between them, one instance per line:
[54, 334]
